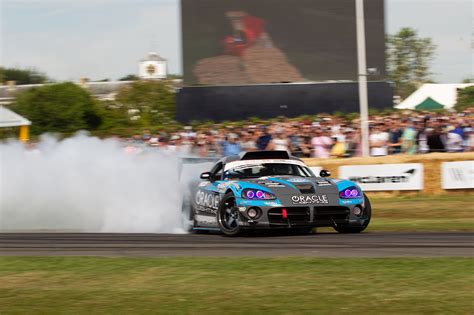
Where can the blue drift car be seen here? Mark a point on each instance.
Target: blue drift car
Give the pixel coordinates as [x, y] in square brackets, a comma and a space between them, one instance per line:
[273, 190]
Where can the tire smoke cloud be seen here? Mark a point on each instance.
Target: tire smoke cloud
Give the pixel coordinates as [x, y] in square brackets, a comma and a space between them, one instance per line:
[85, 184]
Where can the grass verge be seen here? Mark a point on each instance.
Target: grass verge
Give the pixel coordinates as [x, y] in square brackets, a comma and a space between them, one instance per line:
[446, 213]
[80, 285]
[413, 213]
[424, 214]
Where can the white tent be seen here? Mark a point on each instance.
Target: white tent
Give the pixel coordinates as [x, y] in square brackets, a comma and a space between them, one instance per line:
[9, 118]
[444, 94]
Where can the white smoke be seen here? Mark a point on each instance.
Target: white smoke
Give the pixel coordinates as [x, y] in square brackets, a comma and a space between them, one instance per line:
[86, 184]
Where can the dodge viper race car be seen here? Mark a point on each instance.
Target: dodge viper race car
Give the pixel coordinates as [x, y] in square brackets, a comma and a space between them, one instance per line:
[271, 189]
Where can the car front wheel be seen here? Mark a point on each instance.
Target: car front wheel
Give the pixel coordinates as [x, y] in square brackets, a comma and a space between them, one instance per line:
[366, 215]
[228, 216]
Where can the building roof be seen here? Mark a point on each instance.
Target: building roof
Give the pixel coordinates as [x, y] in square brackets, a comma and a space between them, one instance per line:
[443, 94]
[153, 56]
[9, 118]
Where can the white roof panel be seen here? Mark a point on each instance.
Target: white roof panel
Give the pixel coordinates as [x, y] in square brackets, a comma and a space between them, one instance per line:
[9, 118]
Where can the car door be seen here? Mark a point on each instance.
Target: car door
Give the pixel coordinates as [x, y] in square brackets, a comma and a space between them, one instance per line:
[208, 197]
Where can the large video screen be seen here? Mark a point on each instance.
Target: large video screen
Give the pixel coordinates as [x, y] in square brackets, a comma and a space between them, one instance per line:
[275, 41]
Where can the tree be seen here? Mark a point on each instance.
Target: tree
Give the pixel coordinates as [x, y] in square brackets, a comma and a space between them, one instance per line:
[63, 108]
[154, 99]
[129, 77]
[408, 60]
[465, 99]
[22, 76]
[113, 116]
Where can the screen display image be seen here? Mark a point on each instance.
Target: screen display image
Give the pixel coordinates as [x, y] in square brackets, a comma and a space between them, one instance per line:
[277, 41]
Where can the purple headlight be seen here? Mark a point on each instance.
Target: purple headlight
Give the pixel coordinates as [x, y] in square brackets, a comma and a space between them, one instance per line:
[257, 194]
[349, 193]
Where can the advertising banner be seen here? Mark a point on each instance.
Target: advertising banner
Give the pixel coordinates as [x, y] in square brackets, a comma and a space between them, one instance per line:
[385, 177]
[457, 175]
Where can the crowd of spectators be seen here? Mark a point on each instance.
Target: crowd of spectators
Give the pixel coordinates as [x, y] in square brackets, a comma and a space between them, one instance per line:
[325, 136]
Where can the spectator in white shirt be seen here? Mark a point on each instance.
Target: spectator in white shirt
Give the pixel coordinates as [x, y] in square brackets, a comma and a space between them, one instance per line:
[279, 142]
[378, 141]
[453, 141]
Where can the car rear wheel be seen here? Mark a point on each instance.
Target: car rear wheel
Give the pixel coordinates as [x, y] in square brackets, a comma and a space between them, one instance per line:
[366, 215]
[228, 216]
[188, 215]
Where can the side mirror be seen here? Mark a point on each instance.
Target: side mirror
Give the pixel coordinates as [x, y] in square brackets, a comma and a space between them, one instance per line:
[206, 175]
[325, 173]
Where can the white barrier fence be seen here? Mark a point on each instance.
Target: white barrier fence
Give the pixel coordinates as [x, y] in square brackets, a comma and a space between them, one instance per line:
[457, 175]
[407, 176]
[380, 177]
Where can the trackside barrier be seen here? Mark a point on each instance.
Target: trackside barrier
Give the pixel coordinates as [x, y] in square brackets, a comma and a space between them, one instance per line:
[427, 174]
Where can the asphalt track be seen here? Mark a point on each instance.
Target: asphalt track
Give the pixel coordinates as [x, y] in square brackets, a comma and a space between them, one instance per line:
[173, 245]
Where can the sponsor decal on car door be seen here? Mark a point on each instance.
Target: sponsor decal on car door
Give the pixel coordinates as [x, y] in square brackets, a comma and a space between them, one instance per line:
[207, 201]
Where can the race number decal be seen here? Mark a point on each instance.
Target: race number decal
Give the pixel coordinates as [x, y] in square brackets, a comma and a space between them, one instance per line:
[312, 199]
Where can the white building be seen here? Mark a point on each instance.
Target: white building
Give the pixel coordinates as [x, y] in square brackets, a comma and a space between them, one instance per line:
[153, 67]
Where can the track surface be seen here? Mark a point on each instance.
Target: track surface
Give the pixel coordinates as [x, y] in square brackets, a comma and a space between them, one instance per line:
[322, 245]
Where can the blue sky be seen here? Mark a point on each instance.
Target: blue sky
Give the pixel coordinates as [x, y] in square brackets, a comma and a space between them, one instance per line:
[70, 39]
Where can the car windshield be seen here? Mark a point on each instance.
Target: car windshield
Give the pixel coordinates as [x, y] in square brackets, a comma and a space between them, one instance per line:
[267, 169]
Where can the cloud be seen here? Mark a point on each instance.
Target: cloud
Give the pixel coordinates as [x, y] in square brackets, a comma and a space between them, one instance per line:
[93, 43]
[55, 12]
[47, 2]
[86, 2]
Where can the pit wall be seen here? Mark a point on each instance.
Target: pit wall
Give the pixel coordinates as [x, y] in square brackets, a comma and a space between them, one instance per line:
[432, 171]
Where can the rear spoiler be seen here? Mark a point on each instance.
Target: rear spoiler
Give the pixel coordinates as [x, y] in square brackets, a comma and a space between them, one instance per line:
[265, 155]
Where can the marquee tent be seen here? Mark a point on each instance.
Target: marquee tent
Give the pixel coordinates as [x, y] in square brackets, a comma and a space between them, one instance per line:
[445, 95]
[9, 118]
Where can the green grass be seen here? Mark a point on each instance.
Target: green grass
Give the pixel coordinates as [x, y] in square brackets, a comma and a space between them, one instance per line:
[444, 213]
[87, 285]
[433, 214]
[413, 213]
[421, 225]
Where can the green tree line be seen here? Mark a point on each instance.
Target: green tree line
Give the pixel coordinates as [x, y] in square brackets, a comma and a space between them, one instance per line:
[22, 76]
[66, 108]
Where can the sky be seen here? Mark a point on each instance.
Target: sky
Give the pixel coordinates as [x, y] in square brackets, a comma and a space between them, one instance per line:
[99, 39]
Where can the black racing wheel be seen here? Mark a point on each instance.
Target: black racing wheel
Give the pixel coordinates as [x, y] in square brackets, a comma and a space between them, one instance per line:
[228, 216]
[366, 215]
